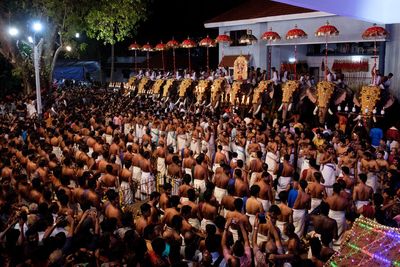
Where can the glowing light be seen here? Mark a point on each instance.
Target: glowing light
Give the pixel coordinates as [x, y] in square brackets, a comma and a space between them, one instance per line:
[77, 35]
[292, 60]
[30, 39]
[37, 26]
[356, 58]
[13, 31]
[68, 48]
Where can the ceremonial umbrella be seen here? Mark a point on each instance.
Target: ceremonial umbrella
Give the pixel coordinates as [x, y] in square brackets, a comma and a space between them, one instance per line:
[188, 43]
[161, 47]
[135, 47]
[207, 43]
[294, 34]
[248, 38]
[223, 39]
[147, 48]
[375, 32]
[270, 36]
[173, 44]
[326, 31]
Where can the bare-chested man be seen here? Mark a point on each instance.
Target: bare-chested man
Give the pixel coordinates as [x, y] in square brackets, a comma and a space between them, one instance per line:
[302, 203]
[338, 206]
[316, 191]
[200, 174]
[219, 158]
[362, 193]
[266, 195]
[160, 153]
[370, 167]
[322, 223]
[221, 180]
[208, 211]
[255, 167]
[286, 175]
[236, 216]
[286, 215]
[194, 217]
[253, 205]
[182, 190]
[144, 219]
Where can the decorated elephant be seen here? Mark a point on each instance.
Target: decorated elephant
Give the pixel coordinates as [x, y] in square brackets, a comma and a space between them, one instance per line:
[233, 94]
[321, 98]
[167, 88]
[183, 90]
[157, 87]
[142, 87]
[288, 88]
[217, 89]
[258, 93]
[201, 91]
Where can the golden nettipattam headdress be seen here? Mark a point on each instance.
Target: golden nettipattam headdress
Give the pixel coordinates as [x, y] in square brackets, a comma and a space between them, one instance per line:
[157, 86]
[369, 96]
[287, 90]
[235, 89]
[167, 86]
[324, 92]
[216, 87]
[142, 84]
[184, 86]
[262, 86]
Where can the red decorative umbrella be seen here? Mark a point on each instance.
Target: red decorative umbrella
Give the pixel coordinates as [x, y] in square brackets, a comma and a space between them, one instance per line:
[188, 43]
[223, 39]
[147, 48]
[270, 36]
[161, 47]
[326, 31]
[135, 47]
[207, 43]
[375, 32]
[173, 44]
[294, 34]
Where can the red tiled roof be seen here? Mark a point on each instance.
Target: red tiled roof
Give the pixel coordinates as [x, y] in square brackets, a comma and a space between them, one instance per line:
[252, 9]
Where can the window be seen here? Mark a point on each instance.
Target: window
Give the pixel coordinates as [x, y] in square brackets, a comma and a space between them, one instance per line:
[235, 36]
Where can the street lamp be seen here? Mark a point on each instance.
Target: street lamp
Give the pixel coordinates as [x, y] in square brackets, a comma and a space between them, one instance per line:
[68, 48]
[13, 31]
[37, 49]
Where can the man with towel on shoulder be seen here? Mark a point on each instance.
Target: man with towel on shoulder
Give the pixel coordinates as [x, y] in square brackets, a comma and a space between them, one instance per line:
[301, 205]
[338, 206]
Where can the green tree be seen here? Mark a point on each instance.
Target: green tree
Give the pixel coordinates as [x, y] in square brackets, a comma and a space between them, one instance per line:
[61, 19]
[113, 21]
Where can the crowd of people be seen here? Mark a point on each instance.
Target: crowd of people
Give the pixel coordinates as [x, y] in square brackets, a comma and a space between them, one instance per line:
[110, 179]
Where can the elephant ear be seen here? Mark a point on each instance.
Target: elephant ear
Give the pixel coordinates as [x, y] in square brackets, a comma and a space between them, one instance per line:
[356, 102]
[389, 103]
[311, 96]
[341, 98]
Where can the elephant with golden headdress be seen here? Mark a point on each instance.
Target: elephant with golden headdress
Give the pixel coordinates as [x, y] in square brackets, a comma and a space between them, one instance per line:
[157, 86]
[217, 89]
[321, 98]
[143, 84]
[167, 88]
[288, 88]
[201, 91]
[258, 95]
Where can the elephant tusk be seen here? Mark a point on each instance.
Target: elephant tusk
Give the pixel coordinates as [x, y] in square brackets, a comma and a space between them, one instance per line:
[167, 99]
[177, 102]
[184, 102]
[257, 110]
[330, 111]
[202, 104]
[374, 118]
[280, 107]
[290, 107]
[357, 118]
[315, 110]
[209, 105]
[216, 105]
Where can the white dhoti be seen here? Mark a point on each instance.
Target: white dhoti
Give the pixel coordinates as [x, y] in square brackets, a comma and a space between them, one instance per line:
[58, 152]
[372, 181]
[171, 140]
[235, 234]
[283, 183]
[204, 223]
[265, 203]
[136, 176]
[184, 200]
[188, 171]
[181, 142]
[147, 185]
[241, 153]
[252, 218]
[328, 172]
[219, 193]
[361, 203]
[200, 185]
[108, 138]
[281, 226]
[253, 178]
[299, 220]
[127, 194]
[195, 146]
[271, 160]
[225, 151]
[161, 169]
[215, 167]
[261, 239]
[315, 202]
[340, 218]
[194, 222]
